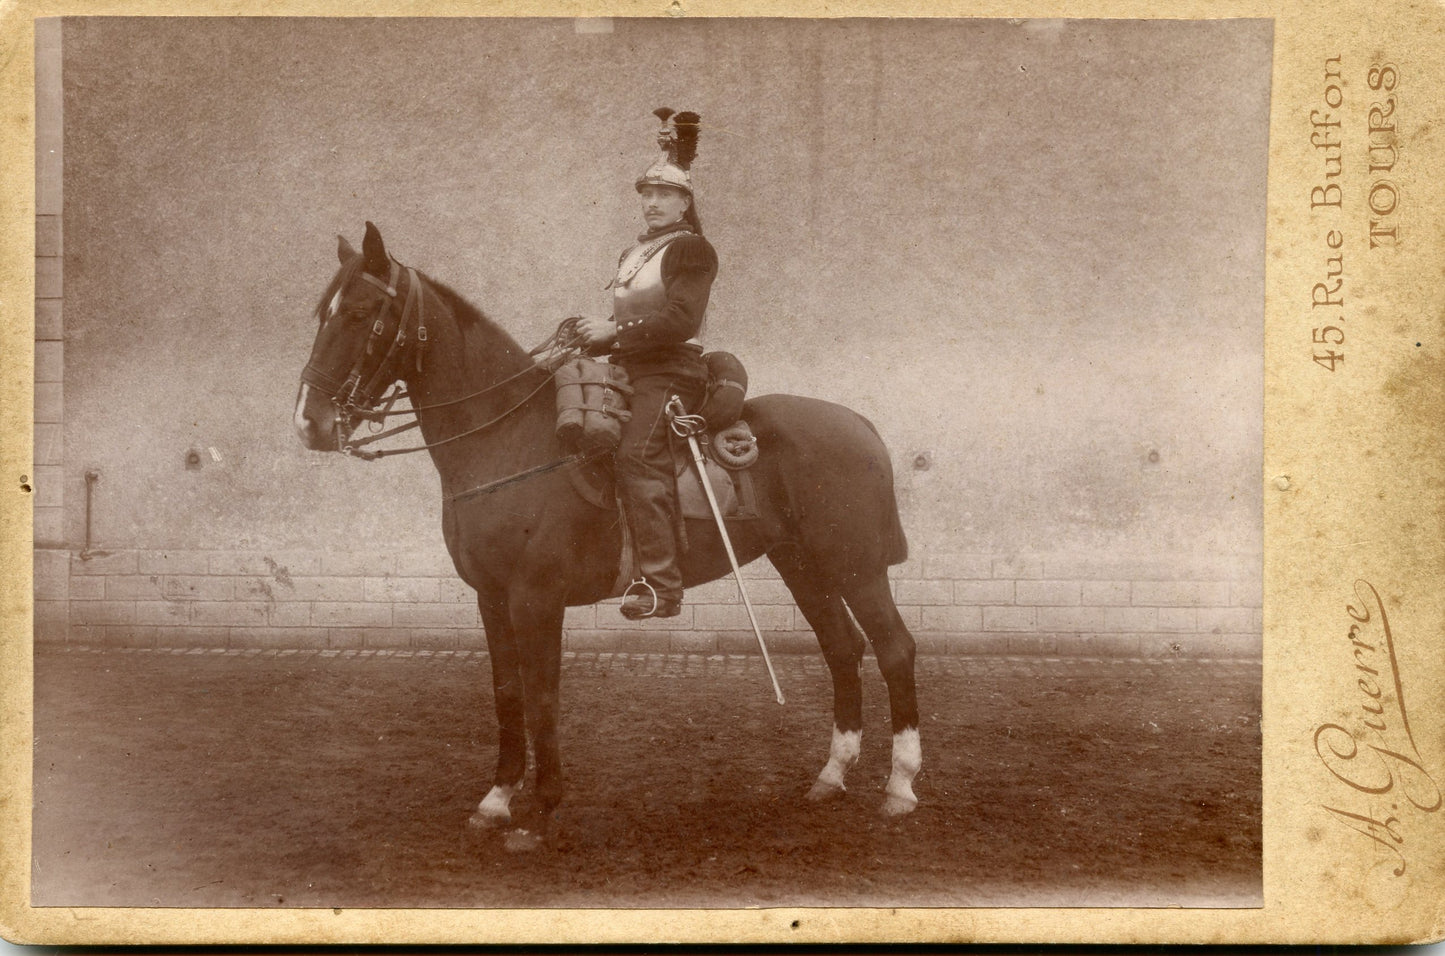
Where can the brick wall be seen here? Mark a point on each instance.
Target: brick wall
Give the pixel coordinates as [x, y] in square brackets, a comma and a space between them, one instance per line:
[52, 575]
[954, 603]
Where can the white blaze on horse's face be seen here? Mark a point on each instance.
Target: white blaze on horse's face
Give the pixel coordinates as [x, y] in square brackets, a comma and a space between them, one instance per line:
[842, 755]
[303, 425]
[314, 417]
[315, 420]
[907, 761]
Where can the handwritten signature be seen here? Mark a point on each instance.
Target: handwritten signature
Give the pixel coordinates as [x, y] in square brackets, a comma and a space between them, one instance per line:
[1377, 755]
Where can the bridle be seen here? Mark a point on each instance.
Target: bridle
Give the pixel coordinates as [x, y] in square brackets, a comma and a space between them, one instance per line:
[353, 396]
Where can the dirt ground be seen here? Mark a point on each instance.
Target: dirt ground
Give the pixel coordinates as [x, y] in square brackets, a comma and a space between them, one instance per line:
[346, 779]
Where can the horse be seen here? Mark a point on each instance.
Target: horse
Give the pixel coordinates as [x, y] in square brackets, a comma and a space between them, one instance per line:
[531, 545]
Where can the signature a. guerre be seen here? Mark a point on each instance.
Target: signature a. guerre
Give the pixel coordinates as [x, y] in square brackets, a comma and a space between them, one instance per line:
[1376, 755]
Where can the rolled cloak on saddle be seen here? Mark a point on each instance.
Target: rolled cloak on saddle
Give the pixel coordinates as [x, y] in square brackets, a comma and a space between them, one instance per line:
[727, 388]
[591, 404]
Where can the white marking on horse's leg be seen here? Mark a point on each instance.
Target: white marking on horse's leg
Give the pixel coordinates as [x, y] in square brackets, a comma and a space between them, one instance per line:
[495, 809]
[842, 755]
[907, 761]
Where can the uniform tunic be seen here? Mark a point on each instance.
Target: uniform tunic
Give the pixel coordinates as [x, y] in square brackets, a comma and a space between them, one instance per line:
[659, 313]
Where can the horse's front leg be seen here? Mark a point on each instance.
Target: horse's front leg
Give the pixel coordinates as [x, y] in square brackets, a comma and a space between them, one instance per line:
[536, 607]
[495, 808]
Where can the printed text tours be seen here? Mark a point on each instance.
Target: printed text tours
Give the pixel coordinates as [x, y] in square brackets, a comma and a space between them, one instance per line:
[1379, 149]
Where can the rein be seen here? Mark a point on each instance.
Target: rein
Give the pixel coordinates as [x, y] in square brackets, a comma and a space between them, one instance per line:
[354, 449]
[553, 345]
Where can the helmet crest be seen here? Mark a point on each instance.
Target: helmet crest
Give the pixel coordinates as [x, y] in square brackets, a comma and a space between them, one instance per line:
[678, 141]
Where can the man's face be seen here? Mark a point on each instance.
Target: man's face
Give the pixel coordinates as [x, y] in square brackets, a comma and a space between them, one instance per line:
[663, 205]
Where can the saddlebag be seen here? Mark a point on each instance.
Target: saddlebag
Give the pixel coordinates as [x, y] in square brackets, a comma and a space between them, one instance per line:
[591, 404]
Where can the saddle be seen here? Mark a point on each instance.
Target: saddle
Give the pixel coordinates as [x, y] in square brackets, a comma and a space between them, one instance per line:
[732, 487]
[590, 416]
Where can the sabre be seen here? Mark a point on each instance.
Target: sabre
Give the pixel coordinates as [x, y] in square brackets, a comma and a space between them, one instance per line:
[687, 426]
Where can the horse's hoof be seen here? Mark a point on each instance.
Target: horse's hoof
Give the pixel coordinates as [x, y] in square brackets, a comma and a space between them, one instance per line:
[896, 806]
[495, 810]
[521, 841]
[823, 790]
[488, 821]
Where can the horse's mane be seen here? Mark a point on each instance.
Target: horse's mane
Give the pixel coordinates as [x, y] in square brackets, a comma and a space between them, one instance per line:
[465, 312]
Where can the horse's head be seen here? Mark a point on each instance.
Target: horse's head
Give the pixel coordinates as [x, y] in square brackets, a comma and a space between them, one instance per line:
[367, 336]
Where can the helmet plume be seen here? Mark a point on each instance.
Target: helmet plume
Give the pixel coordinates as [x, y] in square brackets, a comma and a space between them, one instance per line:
[678, 136]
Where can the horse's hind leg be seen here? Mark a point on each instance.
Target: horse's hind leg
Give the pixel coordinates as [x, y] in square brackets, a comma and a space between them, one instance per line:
[872, 603]
[495, 808]
[842, 646]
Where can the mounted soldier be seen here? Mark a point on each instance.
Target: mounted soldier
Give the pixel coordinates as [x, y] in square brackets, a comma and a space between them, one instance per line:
[659, 298]
[826, 513]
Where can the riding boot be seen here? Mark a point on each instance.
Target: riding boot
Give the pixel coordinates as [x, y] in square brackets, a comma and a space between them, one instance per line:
[648, 489]
[650, 501]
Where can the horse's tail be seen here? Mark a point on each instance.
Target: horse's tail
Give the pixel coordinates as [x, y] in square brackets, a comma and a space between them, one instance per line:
[895, 541]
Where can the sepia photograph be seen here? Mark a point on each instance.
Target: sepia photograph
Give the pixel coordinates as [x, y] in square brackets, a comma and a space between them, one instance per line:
[657, 463]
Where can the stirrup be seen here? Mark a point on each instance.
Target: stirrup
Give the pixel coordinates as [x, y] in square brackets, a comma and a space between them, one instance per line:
[659, 608]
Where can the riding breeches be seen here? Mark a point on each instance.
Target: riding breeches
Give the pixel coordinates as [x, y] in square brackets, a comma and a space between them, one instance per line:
[646, 481]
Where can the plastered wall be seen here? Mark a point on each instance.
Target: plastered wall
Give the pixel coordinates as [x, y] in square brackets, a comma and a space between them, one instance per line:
[1047, 298]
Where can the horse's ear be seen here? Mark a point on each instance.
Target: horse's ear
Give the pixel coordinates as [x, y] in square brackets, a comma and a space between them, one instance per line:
[374, 253]
[344, 252]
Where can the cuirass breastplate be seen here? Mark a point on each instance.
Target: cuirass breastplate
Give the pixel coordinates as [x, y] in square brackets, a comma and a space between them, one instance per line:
[642, 295]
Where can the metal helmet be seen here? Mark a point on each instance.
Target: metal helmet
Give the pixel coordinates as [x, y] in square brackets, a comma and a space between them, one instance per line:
[678, 140]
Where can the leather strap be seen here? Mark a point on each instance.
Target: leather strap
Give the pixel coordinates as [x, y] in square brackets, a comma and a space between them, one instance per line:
[639, 255]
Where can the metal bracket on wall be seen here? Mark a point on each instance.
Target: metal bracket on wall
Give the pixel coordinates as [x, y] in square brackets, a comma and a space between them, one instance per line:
[87, 552]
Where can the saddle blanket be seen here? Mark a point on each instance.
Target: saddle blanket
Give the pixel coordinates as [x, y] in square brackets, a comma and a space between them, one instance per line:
[734, 490]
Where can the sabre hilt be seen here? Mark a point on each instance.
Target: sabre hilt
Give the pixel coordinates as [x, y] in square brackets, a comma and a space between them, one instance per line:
[683, 424]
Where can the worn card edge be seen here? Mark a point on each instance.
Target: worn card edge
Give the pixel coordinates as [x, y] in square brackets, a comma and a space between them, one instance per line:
[1300, 905]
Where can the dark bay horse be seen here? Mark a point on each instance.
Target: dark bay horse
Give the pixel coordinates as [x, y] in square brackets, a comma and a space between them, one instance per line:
[532, 547]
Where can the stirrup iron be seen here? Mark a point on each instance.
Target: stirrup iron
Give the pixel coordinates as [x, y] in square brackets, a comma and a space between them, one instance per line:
[650, 590]
[661, 607]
